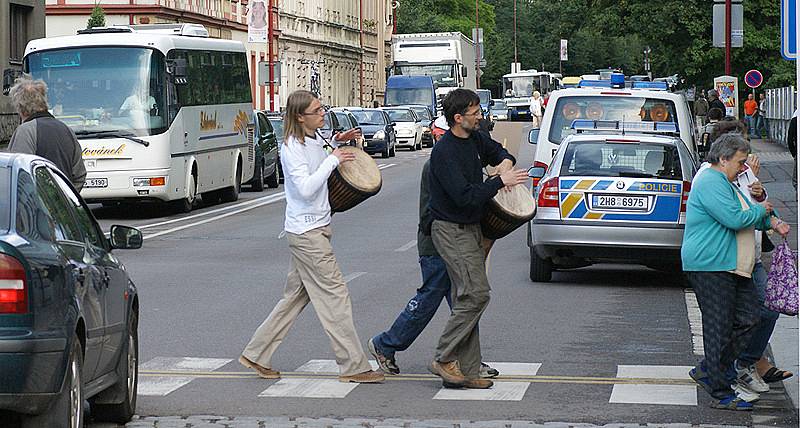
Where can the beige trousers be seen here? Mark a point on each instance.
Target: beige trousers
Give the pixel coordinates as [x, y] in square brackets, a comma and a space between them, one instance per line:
[314, 276]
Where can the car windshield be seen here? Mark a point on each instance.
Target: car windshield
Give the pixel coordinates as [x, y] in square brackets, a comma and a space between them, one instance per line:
[484, 96]
[422, 113]
[628, 159]
[277, 125]
[401, 115]
[102, 89]
[404, 96]
[623, 108]
[369, 117]
[499, 105]
[344, 121]
[5, 201]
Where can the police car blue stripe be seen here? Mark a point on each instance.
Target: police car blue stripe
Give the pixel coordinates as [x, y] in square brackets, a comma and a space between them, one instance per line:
[567, 184]
[579, 210]
[602, 185]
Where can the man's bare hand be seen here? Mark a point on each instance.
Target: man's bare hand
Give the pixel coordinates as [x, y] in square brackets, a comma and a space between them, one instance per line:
[504, 166]
[349, 135]
[512, 177]
[344, 156]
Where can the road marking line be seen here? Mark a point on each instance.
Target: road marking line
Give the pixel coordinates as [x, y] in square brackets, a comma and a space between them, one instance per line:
[501, 391]
[386, 165]
[351, 277]
[654, 372]
[667, 394]
[309, 388]
[214, 211]
[326, 366]
[163, 385]
[695, 321]
[276, 198]
[504, 143]
[407, 246]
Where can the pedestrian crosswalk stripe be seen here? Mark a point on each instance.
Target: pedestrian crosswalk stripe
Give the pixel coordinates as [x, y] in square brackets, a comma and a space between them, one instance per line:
[516, 369]
[163, 385]
[309, 388]
[500, 391]
[664, 394]
[695, 321]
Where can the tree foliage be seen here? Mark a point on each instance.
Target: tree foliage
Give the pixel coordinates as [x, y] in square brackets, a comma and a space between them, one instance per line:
[98, 17]
[610, 33]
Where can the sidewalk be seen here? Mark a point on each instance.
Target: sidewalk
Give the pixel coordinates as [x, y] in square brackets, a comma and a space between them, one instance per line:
[776, 175]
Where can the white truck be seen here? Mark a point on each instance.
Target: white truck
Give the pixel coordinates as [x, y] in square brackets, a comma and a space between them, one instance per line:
[449, 58]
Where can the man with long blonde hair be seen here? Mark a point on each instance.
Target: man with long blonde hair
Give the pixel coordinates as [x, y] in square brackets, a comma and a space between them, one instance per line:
[314, 275]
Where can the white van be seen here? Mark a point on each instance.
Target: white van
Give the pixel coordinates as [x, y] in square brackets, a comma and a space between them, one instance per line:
[609, 104]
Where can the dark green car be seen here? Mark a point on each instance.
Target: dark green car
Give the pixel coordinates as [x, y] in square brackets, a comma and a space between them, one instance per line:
[266, 152]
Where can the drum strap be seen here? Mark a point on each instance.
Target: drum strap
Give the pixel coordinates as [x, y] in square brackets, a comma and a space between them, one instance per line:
[327, 146]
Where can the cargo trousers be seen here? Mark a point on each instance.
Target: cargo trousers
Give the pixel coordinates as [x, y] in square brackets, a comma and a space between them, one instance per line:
[460, 247]
[314, 276]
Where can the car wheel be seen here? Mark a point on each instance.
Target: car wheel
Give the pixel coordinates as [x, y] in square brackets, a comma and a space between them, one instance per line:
[186, 204]
[413, 146]
[272, 179]
[231, 194]
[385, 153]
[127, 384]
[67, 410]
[258, 177]
[393, 152]
[280, 170]
[541, 269]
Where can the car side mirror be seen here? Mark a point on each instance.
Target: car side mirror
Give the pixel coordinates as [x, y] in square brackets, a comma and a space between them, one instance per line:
[533, 136]
[536, 172]
[125, 238]
[491, 103]
[392, 123]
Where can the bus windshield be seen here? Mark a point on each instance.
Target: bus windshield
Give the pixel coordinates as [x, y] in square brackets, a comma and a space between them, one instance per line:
[104, 89]
[522, 86]
[442, 74]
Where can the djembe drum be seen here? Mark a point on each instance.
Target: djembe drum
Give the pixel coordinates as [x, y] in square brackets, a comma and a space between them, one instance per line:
[507, 211]
[353, 182]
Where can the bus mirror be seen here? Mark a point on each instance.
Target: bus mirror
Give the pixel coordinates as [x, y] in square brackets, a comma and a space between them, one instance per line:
[464, 70]
[177, 67]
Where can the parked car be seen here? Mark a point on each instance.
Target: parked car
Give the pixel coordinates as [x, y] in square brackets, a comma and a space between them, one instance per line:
[331, 125]
[378, 130]
[499, 110]
[407, 127]
[266, 152]
[276, 119]
[611, 197]
[426, 120]
[347, 122]
[68, 308]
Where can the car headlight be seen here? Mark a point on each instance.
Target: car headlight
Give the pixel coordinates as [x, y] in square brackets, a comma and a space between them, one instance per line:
[380, 135]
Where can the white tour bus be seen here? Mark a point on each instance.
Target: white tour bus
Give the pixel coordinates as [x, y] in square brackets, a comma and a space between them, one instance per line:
[162, 112]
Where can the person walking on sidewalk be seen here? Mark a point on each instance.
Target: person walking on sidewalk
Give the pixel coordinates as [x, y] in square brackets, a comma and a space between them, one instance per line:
[761, 116]
[419, 311]
[750, 111]
[715, 102]
[314, 275]
[718, 256]
[458, 198]
[537, 108]
[701, 109]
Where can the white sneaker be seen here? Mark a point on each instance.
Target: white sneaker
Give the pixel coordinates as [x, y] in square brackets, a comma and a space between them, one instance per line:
[743, 392]
[750, 378]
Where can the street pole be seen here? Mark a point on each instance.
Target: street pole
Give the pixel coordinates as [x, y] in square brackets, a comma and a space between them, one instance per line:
[271, 53]
[515, 34]
[477, 50]
[728, 8]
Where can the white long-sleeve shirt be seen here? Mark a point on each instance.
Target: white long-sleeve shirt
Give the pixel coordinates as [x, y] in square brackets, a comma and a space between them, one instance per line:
[306, 168]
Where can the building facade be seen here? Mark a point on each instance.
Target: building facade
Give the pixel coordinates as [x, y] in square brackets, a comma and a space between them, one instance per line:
[26, 20]
[339, 48]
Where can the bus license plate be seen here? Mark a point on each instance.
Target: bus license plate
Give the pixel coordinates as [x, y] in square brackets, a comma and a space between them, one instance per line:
[96, 182]
[636, 203]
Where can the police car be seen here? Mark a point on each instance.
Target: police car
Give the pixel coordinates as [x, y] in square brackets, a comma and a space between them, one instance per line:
[614, 192]
[647, 102]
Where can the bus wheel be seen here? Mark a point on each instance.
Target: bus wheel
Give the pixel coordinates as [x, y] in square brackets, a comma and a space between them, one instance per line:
[231, 194]
[186, 204]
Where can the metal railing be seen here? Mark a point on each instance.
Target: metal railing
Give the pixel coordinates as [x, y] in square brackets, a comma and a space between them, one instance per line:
[781, 105]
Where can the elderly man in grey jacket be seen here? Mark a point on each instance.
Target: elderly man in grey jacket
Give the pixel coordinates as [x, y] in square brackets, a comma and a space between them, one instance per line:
[42, 134]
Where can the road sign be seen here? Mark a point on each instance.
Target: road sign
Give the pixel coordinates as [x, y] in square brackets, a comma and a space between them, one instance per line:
[789, 29]
[753, 79]
[737, 24]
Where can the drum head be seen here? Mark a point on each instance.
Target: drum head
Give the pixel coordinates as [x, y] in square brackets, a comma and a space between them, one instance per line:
[518, 202]
[362, 173]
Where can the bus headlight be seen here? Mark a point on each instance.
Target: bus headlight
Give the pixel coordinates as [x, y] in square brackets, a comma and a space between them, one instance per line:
[149, 181]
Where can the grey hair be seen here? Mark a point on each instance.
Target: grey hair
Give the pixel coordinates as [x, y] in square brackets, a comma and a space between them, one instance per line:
[726, 146]
[713, 93]
[29, 96]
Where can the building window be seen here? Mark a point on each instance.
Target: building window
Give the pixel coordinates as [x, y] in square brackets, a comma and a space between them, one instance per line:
[19, 31]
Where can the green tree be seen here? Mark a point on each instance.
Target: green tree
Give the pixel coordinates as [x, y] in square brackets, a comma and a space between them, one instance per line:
[98, 17]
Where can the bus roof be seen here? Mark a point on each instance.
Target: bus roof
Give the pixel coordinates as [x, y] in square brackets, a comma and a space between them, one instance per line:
[157, 39]
[526, 73]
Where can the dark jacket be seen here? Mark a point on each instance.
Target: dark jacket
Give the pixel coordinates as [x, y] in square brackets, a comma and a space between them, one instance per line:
[458, 192]
[425, 245]
[45, 136]
[716, 103]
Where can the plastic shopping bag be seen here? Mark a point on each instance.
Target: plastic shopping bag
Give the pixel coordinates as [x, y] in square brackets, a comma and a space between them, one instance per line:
[781, 293]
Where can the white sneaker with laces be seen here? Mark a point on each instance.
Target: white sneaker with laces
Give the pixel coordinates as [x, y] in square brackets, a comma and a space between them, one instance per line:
[745, 393]
[750, 378]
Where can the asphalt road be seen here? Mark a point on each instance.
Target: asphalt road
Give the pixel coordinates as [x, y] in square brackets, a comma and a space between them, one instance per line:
[206, 283]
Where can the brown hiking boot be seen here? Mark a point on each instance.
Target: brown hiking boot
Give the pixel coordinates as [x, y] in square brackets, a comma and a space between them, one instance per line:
[264, 372]
[369, 376]
[478, 383]
[450, 372]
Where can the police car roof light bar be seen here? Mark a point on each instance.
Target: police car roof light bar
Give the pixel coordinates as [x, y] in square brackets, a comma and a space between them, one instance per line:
[653, 86]
[580, 125]
[585, 83]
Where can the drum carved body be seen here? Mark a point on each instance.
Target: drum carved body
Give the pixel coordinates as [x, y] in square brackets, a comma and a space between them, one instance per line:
[353, 182]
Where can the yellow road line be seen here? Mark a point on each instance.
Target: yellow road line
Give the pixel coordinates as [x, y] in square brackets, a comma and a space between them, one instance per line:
[425, 377]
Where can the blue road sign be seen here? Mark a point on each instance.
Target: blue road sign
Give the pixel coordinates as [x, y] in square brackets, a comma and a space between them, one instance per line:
[753, 78]
[789, 29]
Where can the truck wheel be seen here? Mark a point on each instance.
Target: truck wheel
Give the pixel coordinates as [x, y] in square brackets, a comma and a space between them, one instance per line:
[541, 269]
[67, 410]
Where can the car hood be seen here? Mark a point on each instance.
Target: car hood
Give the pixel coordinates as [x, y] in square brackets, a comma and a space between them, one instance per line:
[371, 129]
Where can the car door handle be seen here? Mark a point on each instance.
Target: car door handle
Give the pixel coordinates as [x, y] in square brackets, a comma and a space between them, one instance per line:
[106, 278]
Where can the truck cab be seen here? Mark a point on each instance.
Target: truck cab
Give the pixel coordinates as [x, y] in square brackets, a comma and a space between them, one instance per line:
[408, 90]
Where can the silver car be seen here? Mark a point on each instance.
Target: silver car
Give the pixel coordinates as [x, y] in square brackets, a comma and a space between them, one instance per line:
[610, 197]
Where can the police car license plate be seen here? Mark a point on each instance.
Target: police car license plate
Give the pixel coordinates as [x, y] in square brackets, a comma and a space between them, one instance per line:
[96, 182]
[634, 203]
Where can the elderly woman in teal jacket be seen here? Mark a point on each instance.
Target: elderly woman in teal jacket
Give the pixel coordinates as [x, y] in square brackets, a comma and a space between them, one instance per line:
[718, 257]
